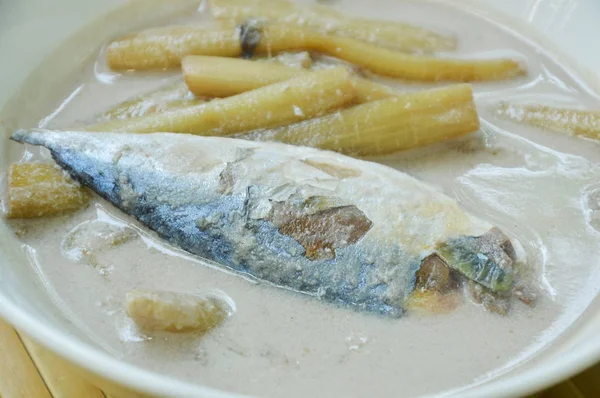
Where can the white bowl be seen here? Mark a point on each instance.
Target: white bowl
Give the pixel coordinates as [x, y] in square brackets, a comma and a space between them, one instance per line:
[31, 30]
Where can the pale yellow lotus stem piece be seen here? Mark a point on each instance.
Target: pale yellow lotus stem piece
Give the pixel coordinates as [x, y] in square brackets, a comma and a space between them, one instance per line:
[282, 103]
[585, 123]
[385, 126]
[41, 189]
[163, 48]
[397, 35]
[175, 312]
[386, 62]
[222, 77]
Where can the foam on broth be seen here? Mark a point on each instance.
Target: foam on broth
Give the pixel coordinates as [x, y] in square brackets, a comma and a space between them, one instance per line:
[538, 186]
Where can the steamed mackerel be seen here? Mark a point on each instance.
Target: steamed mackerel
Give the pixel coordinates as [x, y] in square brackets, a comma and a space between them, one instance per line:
[343, 230]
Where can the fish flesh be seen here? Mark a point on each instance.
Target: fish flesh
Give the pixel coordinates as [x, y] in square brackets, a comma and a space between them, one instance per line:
[343, 230]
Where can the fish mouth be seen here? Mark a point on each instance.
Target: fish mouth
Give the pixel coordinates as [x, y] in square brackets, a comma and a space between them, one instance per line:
[19, 136]
[485, 265]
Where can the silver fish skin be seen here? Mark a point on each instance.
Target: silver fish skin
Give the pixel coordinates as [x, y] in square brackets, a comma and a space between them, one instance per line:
[343, 230]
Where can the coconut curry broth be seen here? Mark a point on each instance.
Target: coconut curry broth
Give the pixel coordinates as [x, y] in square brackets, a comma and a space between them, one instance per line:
[538, 186]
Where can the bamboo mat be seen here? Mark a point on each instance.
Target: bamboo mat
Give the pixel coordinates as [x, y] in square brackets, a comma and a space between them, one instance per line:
[28, 370]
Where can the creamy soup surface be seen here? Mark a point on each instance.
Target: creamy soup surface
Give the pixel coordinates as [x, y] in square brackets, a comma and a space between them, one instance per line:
[540, 187]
